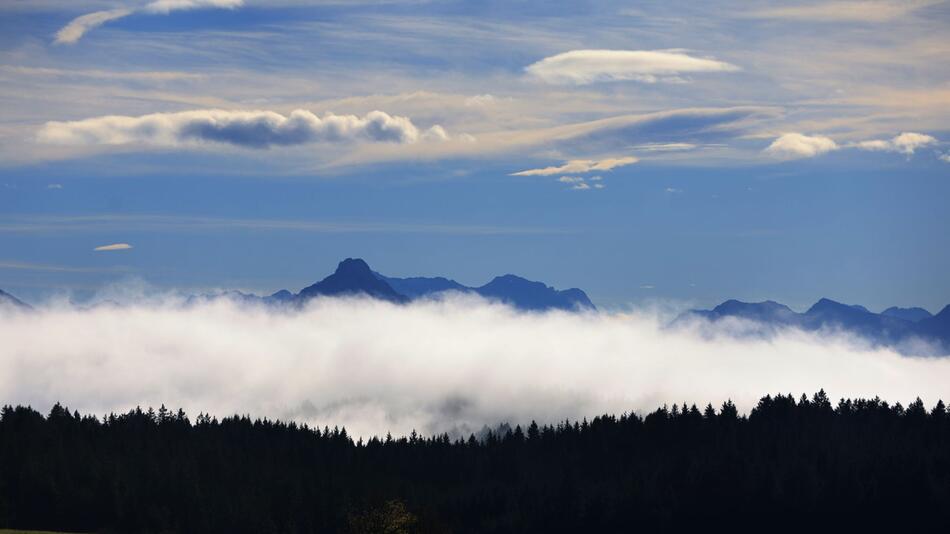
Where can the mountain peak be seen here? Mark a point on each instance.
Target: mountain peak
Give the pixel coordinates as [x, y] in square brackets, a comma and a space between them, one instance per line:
[352, 277]
[353, 266]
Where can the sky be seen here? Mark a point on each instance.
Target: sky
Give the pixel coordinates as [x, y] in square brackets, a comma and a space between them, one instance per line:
[645, 152]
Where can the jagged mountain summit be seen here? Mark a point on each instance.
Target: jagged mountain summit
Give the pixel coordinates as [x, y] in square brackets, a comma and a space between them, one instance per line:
[894, 327]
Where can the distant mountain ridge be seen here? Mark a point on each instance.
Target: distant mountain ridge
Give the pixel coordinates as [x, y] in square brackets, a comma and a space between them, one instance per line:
[354, 277]
[894, 327]
[510, 289]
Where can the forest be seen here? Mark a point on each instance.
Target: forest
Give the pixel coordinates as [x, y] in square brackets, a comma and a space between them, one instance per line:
[789, 464]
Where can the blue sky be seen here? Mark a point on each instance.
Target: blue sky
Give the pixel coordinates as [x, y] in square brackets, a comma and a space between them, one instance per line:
[645, 152]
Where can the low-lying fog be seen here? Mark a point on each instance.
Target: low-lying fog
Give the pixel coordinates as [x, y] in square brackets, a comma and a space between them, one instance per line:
[451, 365]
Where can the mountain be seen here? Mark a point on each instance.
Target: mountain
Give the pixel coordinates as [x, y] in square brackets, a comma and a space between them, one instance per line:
[9, 301]
[937, 326]
[768, 311]
[352, 277]
[908, 314]
[510, 289]
[417, 287]
[535, 296]
[895, 327]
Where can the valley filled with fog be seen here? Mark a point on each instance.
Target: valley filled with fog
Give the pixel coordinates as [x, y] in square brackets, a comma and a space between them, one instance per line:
[454, 364]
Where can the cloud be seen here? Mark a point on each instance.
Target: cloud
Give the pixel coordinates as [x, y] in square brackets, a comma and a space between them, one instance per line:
[54, 186]
[115, 246]
[580, 166]
[847, 11]
[322, 369]
[78, 27]
[906, 143]
[254, 129]
[167, 6]
[945, 157]
[796, 145]
[580, 67]
[72, 32]
[579, 183]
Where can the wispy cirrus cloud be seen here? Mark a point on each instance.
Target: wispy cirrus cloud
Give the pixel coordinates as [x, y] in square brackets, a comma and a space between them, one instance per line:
[580, 166]
[79, 26]
[581, 67]
[114, 246]
[846, 11]
[253, 129]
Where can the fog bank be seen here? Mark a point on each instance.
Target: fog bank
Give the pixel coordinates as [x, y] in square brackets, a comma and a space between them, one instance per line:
[451, 365]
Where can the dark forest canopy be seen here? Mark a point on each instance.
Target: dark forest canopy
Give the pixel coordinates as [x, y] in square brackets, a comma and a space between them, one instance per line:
[789, 464]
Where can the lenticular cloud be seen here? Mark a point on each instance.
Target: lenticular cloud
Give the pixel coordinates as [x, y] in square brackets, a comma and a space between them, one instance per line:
[255, 129]
[452, 365]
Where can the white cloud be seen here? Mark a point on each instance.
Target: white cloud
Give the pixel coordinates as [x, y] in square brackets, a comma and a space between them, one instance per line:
[321, 367]
[581, 67]
[570, 179]
[906, 143]
[480, 100]
[846, 11]
[796, 145]
[115, 246]
[54, 186]
[76, 28]
[72, 32]
[580, 166]
[944, 157]
[259, 129]
[167, 6]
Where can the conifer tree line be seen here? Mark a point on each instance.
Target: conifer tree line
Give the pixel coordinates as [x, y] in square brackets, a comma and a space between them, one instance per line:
[787, 465]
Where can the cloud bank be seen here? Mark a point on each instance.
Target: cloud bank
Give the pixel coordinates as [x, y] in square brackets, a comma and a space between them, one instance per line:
[796, 145]
[580, 166]
[253, 129]
[581, 67]
[452, 365]
[73, 32]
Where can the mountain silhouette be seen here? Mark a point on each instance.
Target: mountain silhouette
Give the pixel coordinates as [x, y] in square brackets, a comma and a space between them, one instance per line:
[352, 277]
[8, 300]
[418, 287]
[908, 314]
[895, 327]
[512, 290]
[536, 296]
[768, 311]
